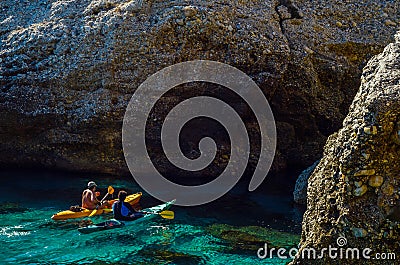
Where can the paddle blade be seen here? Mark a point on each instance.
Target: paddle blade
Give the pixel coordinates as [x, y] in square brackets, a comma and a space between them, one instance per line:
[93, 213]
[167, 214]
[110, 190]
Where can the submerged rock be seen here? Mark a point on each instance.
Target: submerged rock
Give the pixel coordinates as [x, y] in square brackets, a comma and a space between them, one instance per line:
[155, 255]
[69, 68]
[10, 207]
[252, 237]
[350, 194]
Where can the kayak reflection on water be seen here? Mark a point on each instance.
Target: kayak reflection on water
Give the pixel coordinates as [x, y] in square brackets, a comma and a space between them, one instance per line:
[123, 211]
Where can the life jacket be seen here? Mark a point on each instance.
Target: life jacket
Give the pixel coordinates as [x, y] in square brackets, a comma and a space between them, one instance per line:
[124, 210]
[120, 210]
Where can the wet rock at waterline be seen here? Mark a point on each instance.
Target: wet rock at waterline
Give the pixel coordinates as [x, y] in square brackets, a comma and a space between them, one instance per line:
[69, 68]
[355, 189]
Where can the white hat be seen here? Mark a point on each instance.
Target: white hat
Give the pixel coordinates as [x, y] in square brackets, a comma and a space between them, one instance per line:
[91, 184]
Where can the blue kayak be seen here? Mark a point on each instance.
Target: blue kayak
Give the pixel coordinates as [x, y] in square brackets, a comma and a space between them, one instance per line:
[149, 213]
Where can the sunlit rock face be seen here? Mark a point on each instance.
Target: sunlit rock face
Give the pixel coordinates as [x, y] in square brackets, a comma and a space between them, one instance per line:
[355, 189]
[69, 68]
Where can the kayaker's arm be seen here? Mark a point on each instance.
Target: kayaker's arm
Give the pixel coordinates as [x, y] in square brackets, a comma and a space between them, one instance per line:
[130, 208]
[97, 201]
[93, 199]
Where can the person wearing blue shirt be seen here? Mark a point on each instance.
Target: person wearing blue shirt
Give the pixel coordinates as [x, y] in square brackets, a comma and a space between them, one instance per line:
[123, 211]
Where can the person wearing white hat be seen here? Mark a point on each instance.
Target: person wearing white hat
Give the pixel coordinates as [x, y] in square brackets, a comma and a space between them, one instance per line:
[89, 198]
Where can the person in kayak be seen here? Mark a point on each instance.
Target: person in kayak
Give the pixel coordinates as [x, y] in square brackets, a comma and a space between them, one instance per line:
[123, 211]
[89, 198]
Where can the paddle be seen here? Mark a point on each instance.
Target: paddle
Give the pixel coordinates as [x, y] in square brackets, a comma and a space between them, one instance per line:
[164, 214]
[109, 191]
[167, 214]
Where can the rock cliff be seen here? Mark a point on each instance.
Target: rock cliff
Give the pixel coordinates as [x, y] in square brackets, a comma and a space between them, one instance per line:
[355, 189]
[69, 68]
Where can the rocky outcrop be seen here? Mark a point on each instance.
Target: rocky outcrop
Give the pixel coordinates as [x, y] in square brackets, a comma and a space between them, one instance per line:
[300, 189]
[69, 68]
[354, 191]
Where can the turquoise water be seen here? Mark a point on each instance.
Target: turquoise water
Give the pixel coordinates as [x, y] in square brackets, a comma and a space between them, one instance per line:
[216, 233]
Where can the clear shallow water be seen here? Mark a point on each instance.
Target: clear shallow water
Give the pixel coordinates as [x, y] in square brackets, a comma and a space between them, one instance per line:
[216, 233]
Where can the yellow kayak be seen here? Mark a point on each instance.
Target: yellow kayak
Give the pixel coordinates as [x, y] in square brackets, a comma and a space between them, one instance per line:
[68, 214]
